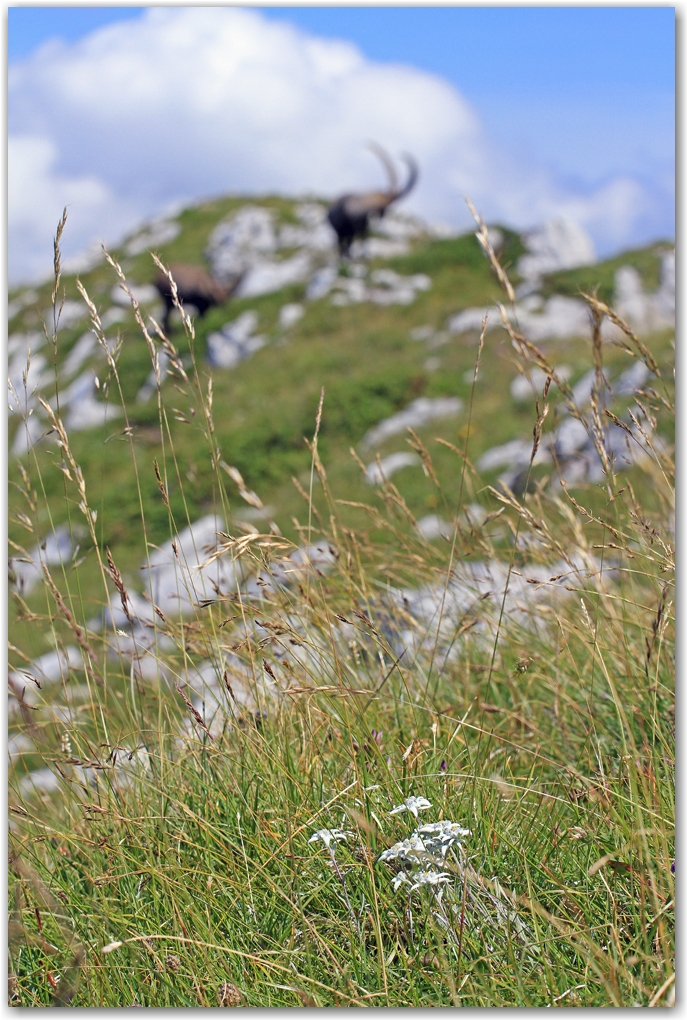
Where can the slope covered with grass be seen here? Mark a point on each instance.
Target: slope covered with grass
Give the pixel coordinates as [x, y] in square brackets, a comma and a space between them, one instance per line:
[239, 804]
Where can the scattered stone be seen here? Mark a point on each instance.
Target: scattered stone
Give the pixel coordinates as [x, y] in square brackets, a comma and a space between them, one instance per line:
[442, 231]
[643, 311]
[145, 294]
[27, 435]
[56, 548]
[236, 241]
[471, 319]
[82, 349]
[113, 315]
[561, 317]
[631, 380]
[573, 452]
[19, 745]
[188, 569]
[558, 319]
[149, 387]
[314, 231]
[23, 383]
[511, 454]
[244, 242]
[154, 234]
[582, 390]
[523, 388]
[415, 415]
[85, 260]
[399, 226]
[571, 435]
[387, 288]
[289, 315]
[253, 513]
[69, 314]
[235, 342]
[50, 668]
[378, 248]
[20, 302]
[266, 276]
[19, 344]
[114, 617]
[432, 526]
[377, 473]
[474, 514]
[40, 781]
[83, 411]
[321, 283]
[319, 557]
[558, 244]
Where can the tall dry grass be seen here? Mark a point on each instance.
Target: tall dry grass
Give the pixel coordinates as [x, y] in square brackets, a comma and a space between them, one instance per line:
[177, 863]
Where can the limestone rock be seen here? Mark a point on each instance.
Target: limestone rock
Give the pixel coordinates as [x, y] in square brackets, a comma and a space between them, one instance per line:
[377, 473]
[235, 342]
[415, 415]
[558, 244]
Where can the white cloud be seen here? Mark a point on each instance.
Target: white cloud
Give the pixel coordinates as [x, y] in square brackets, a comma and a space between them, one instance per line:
[188, 102]
[37, 194]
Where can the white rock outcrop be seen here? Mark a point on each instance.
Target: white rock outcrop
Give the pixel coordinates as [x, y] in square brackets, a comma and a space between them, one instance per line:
[378, 472]
[562, 318]
[56, 548]
[557, 244]
[155, 233]
[646, 312]
[188, 569]
[385, 287]
[432, 526]
[290, 314]
[144, 294]
[418, 413]
[524, 388]
[235, 342]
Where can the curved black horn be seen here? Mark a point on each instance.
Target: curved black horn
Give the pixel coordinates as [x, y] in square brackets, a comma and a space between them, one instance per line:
[387, 163]
[413, 172]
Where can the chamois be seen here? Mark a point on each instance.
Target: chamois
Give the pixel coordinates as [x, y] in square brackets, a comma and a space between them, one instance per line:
[195, 287]
[350, 214]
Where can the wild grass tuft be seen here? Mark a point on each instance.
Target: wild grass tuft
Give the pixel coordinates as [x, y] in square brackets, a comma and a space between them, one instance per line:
[274, 839]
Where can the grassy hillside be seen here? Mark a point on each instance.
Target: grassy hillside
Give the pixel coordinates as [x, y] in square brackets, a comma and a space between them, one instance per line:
[227, 799]
[363, 356]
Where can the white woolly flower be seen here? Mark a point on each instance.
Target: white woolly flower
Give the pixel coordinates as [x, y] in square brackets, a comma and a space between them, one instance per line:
[329, 836]
[412, 804]
[401, 879]
[412, 849]
[440, 836]
[432, 878]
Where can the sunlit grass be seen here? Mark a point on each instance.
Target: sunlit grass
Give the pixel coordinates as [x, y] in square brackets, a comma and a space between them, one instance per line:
[180, 840]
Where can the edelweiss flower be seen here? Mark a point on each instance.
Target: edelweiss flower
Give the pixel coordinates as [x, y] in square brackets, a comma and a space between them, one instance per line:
[327, 836]
[433, 878]
[444, 828]
[412, 804]
[411, 849]
[440, 836]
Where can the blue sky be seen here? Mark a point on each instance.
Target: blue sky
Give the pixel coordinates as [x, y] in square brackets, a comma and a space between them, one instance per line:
[584, 94]
[557, 47]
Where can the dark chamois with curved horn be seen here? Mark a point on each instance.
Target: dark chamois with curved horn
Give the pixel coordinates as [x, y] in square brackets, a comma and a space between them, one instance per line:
[350, 215]
[195, 287]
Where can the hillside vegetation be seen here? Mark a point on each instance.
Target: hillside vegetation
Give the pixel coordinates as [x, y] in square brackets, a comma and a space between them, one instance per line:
[399, 741]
